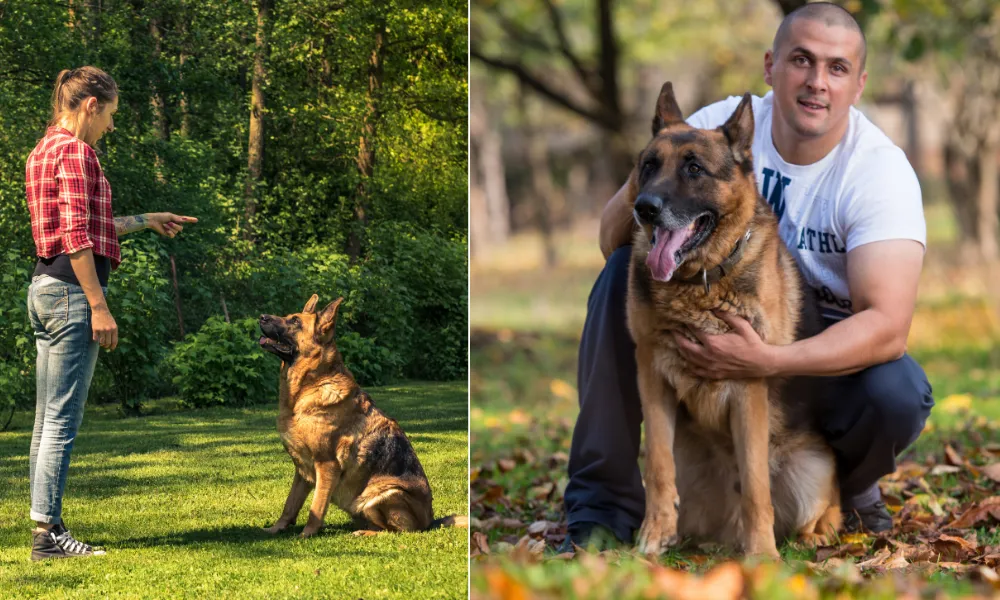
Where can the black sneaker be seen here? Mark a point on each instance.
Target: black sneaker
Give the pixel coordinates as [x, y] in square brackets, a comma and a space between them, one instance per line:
[588, 535]
[872, 519]
[58, 543]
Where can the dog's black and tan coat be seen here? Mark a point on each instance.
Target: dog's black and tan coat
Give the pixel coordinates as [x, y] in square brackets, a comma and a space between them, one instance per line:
[342, 445]
[744, 457]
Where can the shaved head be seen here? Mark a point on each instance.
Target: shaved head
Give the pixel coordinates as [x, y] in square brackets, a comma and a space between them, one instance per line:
[828, 14]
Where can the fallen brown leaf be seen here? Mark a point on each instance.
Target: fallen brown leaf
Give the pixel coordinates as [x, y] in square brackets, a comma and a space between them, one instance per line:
[980, 511]
[991, 560]
[953, 548]
[992, 471]
[850, 549]
[952, 456]
[945, 470]
[503, 586]
[480, 544]
[506, 464]
[493, 493]
[876, 561]
[723, 582]
[540, 492]
[540, 527]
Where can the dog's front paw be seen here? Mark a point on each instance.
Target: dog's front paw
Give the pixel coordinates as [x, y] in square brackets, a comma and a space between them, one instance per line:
[658, 532]
[762, 545]
[309, 531]
[277, 528]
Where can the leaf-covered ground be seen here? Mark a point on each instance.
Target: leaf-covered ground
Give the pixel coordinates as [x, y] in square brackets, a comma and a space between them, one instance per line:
[945, 496]
[180, 500]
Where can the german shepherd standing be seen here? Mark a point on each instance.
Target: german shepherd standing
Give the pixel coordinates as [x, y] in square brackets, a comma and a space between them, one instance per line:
[743, 456]
[350, 451]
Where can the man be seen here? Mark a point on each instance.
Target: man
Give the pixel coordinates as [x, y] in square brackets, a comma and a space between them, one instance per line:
[850, 211]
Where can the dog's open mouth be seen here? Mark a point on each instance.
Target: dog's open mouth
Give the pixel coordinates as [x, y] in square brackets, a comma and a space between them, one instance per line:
[285, 351]
[671, 246]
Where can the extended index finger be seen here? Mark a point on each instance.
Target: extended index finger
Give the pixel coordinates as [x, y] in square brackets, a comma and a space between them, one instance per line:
[183, 219]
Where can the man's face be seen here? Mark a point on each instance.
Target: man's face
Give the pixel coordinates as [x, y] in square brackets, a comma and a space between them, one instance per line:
[816, 75]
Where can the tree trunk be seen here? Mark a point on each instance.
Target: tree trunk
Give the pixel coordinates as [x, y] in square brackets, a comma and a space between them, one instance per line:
[620, 155]
[491, 213]
[160, 120]
[541, 175]
[366, 145]
[255, 148]
[987, 201]
[971, 152]
[185, 108]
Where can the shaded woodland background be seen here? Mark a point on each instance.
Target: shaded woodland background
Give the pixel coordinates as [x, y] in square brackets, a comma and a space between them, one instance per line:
[563, 92]
[321, 144]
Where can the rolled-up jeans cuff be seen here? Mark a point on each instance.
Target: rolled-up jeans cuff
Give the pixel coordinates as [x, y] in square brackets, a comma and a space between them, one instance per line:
[40, 518]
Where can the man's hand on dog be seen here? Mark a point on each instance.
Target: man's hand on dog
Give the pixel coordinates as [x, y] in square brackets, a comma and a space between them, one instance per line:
[739, 354]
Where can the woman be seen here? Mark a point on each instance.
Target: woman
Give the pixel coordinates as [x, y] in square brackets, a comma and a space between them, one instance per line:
[76, 239]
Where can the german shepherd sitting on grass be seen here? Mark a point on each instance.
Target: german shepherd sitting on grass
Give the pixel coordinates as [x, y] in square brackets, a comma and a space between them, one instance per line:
[342, 445]
[744, 457]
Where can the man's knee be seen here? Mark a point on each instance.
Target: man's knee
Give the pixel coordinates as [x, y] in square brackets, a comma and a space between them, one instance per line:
[617, 271]
[900, 396]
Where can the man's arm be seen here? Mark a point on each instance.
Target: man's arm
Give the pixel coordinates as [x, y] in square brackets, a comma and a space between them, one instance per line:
[617, 222]
[882, 277]
[125, 225]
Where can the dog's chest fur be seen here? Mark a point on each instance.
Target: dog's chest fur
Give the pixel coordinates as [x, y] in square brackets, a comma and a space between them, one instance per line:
[323, 425]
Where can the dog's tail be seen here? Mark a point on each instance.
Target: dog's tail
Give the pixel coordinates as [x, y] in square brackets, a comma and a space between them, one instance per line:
[450, 521]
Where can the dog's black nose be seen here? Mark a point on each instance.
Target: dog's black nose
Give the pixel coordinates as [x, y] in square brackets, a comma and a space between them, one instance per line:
[648, 208]
[265, 318]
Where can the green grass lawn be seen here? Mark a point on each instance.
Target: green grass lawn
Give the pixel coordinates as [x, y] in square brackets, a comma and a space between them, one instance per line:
[179, 499]
[524, 406]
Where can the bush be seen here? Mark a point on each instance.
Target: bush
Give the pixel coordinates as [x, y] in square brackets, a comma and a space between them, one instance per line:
[430, 277]
[139, 299]
[366, 361]
[223, 364]
[17, 342]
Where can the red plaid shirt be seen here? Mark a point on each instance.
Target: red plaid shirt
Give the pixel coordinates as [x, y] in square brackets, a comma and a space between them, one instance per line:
[69, 198]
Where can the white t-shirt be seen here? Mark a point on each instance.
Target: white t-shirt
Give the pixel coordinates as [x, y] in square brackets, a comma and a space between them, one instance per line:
[863, 191]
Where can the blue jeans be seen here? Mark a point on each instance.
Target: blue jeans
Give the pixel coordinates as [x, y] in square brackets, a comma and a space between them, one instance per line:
[60, 316]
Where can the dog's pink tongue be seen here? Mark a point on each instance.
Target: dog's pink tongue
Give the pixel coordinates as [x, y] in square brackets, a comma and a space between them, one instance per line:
[662, 259]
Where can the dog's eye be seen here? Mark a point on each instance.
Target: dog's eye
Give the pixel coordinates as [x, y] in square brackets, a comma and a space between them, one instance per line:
[294, 321]
[647, 168]
[694, 169]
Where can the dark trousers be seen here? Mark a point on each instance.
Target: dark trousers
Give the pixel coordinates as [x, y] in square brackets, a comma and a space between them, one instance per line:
[868, 418]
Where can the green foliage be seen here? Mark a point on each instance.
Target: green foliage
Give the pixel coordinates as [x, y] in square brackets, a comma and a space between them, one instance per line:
[317, 94]
[223, 364]
[139, 300]
[367, 361]
[428, 278]
[17, 344]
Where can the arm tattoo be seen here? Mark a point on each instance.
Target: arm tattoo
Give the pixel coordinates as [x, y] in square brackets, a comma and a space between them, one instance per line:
[125, 225]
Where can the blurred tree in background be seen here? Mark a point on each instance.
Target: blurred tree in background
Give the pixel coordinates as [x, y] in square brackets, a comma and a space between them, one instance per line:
[592, 69]
[313, 139]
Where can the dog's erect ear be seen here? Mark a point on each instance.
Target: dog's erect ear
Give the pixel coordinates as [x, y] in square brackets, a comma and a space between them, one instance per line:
[311, 305]
[739, 129]
[667, 111]
[326, 322]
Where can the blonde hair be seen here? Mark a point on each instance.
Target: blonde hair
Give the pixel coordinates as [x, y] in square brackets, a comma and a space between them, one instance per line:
[73, 86]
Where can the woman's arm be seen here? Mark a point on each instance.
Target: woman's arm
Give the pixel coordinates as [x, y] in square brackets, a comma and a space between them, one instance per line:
[103, 324]
[125, 225]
